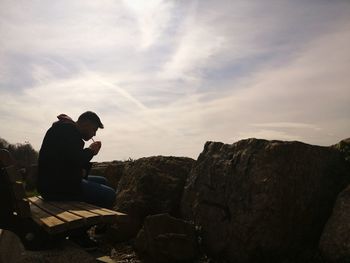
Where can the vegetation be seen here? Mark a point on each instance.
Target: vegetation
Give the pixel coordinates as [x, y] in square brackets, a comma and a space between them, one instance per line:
[23, 153]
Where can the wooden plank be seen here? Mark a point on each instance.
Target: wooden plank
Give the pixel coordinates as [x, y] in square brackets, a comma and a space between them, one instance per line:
[13, 174]
[108, 211]
[90, 207]
[106, 216]
[49, 222]
[89, 217]
[72, 220]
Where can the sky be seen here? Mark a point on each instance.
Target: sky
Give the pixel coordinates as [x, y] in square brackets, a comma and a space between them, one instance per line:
[166, 76]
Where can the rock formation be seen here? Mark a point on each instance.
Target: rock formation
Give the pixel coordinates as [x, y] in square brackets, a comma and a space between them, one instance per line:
[335, 243]
[150, 186]
[263, 201]
[167, 239]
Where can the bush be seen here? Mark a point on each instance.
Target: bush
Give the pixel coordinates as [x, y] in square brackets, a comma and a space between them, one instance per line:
[23, 153]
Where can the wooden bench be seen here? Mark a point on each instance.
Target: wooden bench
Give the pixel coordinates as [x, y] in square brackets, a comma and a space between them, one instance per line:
[40, 223]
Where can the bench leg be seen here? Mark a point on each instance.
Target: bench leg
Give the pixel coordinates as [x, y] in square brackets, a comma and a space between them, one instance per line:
[32, 236]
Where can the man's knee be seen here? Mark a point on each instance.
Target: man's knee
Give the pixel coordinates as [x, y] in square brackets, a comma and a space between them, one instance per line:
[98, 179]
[111, 197]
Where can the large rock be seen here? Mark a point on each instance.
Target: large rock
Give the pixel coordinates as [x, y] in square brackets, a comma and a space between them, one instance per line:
[167, 239]
[149, 186]
[260, 201]
[335, 242]
[344, 147]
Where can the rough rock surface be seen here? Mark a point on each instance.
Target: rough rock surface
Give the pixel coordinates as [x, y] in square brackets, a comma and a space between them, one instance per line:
[167, 239]
[344, 147]
[149, 186]
[335, 241]
[261, 201]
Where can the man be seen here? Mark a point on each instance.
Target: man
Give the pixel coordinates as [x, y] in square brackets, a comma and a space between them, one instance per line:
[64, 163]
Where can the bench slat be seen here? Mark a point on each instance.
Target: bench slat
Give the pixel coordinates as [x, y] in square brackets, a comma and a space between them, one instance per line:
[90, 218]
[72, 219]
[49, 222]
[106, 216]
[102, 209]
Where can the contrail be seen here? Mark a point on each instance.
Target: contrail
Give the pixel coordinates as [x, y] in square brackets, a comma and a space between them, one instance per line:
[122, 92]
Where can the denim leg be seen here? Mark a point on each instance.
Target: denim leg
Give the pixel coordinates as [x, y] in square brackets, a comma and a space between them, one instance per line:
[97, 194]
[97, 179]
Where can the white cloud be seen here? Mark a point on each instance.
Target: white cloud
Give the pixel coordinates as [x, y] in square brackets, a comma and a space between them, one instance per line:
[66, 27]
[153, 18]
[196, 48]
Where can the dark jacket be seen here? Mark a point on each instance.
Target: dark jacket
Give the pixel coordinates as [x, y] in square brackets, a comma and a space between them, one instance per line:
[62, 158]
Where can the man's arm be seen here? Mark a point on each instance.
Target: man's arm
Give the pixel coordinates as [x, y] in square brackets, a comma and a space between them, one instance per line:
[72, 147]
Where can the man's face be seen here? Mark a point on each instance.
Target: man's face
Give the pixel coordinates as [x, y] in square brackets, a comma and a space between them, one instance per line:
[88, 130]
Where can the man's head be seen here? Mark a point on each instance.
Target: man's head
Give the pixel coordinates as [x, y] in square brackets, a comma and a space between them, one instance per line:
[88, 123]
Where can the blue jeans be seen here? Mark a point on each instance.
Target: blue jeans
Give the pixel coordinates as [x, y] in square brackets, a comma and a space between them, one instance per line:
[95, 191]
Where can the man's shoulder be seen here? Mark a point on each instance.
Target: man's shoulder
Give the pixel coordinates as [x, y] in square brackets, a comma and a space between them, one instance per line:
[62, 127]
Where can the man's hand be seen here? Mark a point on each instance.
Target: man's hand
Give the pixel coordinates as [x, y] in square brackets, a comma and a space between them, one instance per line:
[95, 147]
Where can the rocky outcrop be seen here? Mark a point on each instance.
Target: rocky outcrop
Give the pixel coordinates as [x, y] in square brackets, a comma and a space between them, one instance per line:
[149, 186]
[167, 239]
[261, 201]
[344, 147]
[335, 242]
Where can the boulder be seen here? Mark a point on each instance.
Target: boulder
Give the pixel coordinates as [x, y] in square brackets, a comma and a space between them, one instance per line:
[149, 186]
[344, 147]
[263, 201]
[335, 242]
[167, 239]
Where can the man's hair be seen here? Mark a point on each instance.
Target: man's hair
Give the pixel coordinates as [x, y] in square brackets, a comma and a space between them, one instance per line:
[92, 117]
